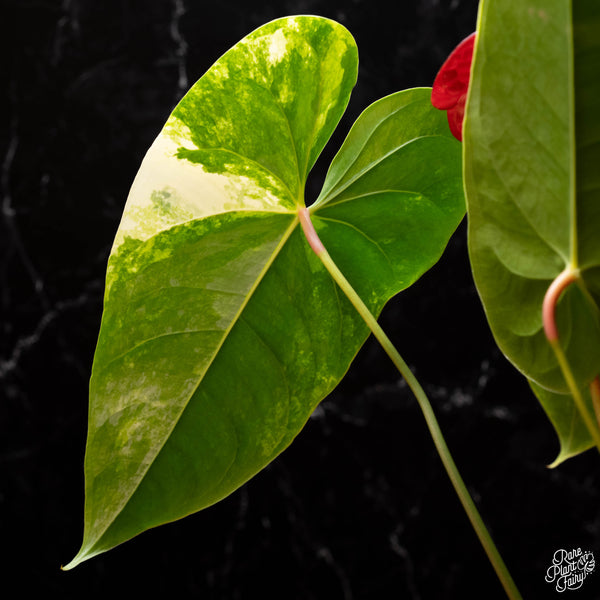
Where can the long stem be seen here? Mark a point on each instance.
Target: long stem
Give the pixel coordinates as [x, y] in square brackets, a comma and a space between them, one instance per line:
[557, 287]
[434, 428]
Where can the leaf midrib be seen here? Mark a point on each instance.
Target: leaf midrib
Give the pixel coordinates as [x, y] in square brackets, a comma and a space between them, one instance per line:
[328, 200]
[118, 510]
[572, 146]
[380, 124]
[291, 138]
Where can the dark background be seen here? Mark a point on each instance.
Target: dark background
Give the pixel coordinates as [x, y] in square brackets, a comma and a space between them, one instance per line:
[359, 507]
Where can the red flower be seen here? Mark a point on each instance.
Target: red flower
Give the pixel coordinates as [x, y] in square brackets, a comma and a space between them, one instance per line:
[451, 85]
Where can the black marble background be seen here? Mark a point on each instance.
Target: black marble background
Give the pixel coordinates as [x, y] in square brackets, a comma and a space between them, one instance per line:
[359, 507]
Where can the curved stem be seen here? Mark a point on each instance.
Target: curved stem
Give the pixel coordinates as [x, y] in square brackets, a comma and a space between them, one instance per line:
[564, 280]
[557, 287]
[434, 428]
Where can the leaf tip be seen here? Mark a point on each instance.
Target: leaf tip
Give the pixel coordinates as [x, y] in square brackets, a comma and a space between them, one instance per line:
[559, 459]
[71, 565]
[83, 555]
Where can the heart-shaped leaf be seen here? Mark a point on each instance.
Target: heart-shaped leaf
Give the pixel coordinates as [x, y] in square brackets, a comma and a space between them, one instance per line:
[221, 329]
[532, 143]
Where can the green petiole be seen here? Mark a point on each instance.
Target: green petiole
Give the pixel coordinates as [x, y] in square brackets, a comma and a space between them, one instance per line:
[434, 428]
[557, 287]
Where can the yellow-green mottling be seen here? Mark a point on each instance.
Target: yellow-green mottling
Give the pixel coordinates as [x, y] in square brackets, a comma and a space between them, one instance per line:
[221, 330]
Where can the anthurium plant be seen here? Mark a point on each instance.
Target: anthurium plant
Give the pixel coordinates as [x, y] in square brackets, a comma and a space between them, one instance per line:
[531, 155]
[531, 214]
[233, 305]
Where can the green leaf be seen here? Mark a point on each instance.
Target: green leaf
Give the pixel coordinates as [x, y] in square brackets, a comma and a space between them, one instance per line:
[222, 330]
[531, 149]
[573, 435]
[391, 196]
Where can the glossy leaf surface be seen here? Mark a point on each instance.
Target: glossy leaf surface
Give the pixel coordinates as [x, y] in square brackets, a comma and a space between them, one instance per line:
[221, 330]
[391, 196]
[532, 134]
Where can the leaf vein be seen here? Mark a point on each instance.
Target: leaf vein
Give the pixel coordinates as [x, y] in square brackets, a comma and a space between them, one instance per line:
[363, 234]
[379, 124]
[119, 508]
[368, 168]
